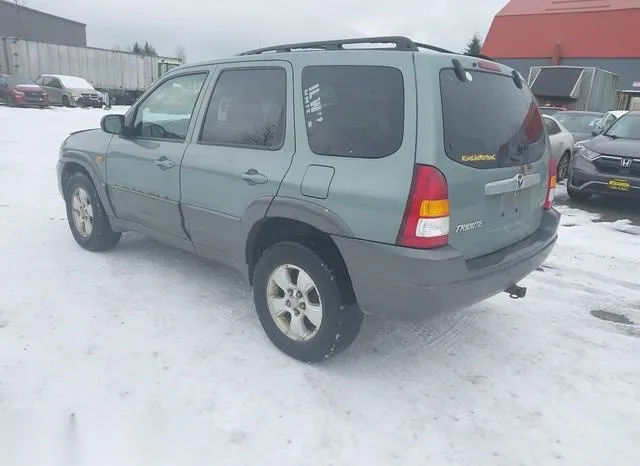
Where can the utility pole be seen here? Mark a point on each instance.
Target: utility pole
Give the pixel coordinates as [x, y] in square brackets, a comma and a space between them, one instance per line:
[19, 29]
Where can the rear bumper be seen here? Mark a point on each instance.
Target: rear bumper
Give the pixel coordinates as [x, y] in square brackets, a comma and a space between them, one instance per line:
[30, 101]
[410, 284]
[584, 177]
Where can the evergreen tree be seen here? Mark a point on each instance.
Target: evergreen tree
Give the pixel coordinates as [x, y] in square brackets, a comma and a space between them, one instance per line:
[474, 46]
[149, 50]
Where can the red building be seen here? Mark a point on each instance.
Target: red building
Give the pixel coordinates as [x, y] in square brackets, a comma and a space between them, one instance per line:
[592, 33]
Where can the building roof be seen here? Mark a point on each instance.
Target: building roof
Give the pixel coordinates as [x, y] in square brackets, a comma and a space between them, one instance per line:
[562, 28]
[43, 13]
[536, 7]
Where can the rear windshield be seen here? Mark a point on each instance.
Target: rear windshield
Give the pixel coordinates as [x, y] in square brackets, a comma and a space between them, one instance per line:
[489, 122]
[579, 122]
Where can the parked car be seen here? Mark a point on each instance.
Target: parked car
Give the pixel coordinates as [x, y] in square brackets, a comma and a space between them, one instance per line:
[346, 192]
[561, 141]
[580, 124]
[550, 111]
[70, 91]
[609, 164]
[17, 91]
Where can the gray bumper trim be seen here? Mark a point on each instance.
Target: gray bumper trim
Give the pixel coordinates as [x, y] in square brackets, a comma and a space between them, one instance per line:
[410, 284]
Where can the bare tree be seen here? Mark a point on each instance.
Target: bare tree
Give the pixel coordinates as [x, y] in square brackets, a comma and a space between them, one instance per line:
[181, 53]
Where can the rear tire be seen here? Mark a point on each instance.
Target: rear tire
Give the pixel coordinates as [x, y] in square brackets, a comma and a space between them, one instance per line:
[11, 102]
[578, 196]
[313, 325]
[563, 166]
[87, 218]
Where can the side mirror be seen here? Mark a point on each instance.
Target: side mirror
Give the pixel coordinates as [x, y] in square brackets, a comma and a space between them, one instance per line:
[597, 132]
[112, 124]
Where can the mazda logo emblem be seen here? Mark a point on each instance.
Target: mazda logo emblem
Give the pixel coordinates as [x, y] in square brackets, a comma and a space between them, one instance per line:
[626, 163]
[520, 180]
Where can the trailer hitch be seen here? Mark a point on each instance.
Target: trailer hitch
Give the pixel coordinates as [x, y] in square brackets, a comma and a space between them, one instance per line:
[516, 292]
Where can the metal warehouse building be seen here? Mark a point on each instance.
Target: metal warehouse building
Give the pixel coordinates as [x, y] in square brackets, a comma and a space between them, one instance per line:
[588, 33]
[19, 21]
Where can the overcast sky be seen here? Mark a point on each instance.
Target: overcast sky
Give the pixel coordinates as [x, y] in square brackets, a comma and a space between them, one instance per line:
[210, 29]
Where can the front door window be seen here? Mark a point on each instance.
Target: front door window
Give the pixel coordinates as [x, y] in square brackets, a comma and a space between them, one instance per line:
[166, 113]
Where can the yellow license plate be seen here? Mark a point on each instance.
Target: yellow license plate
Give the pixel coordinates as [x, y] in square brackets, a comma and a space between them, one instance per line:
[619, 185]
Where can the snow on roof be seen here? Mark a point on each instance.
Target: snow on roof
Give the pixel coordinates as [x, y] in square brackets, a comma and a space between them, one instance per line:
[72, 82]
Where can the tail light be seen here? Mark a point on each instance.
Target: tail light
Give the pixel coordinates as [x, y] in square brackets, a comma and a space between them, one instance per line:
[426, 219]
[16, 92]
[553, 181]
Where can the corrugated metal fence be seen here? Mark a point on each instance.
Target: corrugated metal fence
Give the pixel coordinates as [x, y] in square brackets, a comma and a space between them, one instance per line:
[105, 69]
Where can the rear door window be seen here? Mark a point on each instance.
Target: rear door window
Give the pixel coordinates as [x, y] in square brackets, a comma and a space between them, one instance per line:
[353, 110]
[247, 109]
[489, 122]
[552, 127]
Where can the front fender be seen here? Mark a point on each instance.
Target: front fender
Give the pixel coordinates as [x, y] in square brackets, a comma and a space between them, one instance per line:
[87, 149]
[68, 163]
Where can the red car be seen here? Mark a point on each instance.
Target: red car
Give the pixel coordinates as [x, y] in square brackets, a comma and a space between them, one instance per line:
[17, 91]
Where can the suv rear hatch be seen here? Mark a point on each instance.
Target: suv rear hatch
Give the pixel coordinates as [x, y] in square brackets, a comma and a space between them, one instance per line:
[495, 155]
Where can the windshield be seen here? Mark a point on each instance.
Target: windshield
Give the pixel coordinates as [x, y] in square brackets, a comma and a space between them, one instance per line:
[19, 80]
[489, 122]
[72, 82]
[627, 127]
[579, 122]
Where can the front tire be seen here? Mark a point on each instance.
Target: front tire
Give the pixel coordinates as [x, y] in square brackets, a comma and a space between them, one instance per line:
[563, 166]
[66, 102]
[87, 218]
[301, 306]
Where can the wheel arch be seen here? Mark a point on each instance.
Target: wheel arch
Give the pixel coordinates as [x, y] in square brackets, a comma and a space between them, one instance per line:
[271, 230]
[71, 165]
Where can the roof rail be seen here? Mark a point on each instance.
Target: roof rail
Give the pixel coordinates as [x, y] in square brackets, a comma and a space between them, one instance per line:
[401, 43]
[433, 48]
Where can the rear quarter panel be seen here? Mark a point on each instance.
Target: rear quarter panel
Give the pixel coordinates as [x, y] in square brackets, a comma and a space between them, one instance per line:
[368, 195]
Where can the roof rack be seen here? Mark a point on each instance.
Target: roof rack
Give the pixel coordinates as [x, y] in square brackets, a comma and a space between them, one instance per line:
[401, 43]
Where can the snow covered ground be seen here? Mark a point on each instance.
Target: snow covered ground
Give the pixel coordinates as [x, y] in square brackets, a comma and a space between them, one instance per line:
[147, 355]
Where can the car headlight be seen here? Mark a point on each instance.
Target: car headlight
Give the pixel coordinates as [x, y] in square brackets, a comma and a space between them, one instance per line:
[588, 154]
[75, 95]
[579, 145]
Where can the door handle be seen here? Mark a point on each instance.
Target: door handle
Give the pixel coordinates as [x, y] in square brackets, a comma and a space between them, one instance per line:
[164, 163]
[253, 177]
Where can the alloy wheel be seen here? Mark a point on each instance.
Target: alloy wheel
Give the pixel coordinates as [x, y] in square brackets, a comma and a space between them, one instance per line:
[294, 302]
